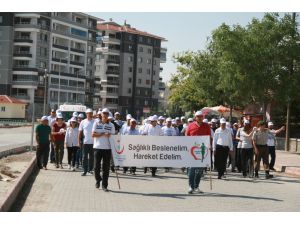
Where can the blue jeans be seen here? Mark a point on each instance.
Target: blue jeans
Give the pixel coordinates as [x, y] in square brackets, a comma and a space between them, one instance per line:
[79, 157]
[195, 174]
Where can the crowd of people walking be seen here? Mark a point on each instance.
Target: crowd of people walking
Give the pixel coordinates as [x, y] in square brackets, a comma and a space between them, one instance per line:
[239, 147]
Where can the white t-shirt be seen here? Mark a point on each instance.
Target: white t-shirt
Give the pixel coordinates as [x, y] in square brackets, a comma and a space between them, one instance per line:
[51, 120]
[86, 126]
[102, 128]
[153, 131]
[168, 131]
[271, 138]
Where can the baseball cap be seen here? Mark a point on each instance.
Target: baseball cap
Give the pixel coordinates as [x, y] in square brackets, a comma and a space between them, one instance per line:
[222, 120]
[205, 121]
[75, 114]
[169, 119]
[270, 124]
[53, 110]
[177, 118]
[44, 118]
[190, 120]
[81, 115]
[128, 117]
[154, 118]
[73, 119]
[59, 116]
[161, 118]
[214, 120]
[105, 110]
[261, 123]
[117, 113]
[199, 113]
[246, 122]
[132, 120]
[89, 111]
[174, 121]
[182, 118]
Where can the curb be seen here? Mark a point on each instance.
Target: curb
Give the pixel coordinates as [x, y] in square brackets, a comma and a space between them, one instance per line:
[15, 190]
[13, 151]
[291, 170]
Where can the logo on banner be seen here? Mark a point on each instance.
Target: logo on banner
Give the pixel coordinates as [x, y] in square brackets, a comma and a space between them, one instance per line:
[119, 150]
[199, 152]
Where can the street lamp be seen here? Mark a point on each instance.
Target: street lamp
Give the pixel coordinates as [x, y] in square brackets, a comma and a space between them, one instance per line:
[46, 75]
[58, 102]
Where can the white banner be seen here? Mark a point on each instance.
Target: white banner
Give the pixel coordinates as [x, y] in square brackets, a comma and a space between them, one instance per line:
[161, 151]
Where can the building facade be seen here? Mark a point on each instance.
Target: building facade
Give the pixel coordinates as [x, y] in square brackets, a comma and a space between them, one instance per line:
[128, 65]
[11, 108]
[52, 52]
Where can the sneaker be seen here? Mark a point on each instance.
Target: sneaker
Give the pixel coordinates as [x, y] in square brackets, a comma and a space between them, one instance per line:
[105, 189]
[97, 185]
[269, 176]
[273, 169]
[44, 167]
[73, 168]
[190, 190]
[256, 175]
[61, 166]
[83, 174]
[91, 172]
[197, 190]
[57, 166]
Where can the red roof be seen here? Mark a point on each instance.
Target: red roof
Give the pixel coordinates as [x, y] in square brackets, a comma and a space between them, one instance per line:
[115, 27]
[7, 99]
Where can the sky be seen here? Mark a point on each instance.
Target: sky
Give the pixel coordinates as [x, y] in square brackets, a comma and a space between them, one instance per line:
[183, 31]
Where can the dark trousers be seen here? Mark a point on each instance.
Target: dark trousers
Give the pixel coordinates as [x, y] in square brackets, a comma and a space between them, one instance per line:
[42, 155]
[132, 169]
[221, 158]
[272, 153]
[79, 157]
[247, 154]
[72, 152]
[103, 155]
[238, 159]
[263, 153]
[52, 152]
[88, 158]
[59, 151]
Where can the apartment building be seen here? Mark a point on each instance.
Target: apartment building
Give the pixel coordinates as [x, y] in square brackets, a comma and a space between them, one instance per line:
[128, 66]
[52, 52]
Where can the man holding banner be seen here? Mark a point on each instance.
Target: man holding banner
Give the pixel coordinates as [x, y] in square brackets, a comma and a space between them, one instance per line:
[196, 128]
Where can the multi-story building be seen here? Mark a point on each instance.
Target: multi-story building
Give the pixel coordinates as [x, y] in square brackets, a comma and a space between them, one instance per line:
[128, 65]
[57, 46]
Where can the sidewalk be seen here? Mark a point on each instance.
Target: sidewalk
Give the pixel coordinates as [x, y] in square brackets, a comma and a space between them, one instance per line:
[288, 162]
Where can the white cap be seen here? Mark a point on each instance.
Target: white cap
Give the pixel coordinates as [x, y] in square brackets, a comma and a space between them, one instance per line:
[177, 118]
[190, 120]
[222, 120]
[132, 120]
[58, 111]
[99, 112]
[110, 116]
[75, 114]
[214, 120]
[105, 110]
[246, 122]
[44, 118]
[270, 124]
[81, 115]
[182, 118]
[205, 121]
[59, 116]
[89, 111]
[117, 113]
[228, 125]
[128, 117]
[169, 119]
[154, 118]
[174, 121]
[198, 113]
[73, 119]
[53, 110]
[161, 118]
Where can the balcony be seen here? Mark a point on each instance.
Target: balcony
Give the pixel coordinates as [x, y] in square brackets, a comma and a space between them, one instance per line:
[67, 87]
[22, 54]
[77, 63]
[113, 61]
[61, 31]
[110, 40]
[59, 60]
[24, 68]
[79, 50]
[25, 82]
[31, 25]
[116, 72]
[22, 97]
[60, 46]
[24, 39]
[112, 82]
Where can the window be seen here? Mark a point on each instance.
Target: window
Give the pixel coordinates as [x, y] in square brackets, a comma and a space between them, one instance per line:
[54, 80]
[146, 102]
[138, 91]
[0, 61]
[129, 80]
[140, 70]
[154, 73]
[77, 32]
[139, 81]
[1, 19]
[43, 64]
[130, 58]
[147, 81]
[130, 48]
[3, 109]
[149, 61]
[148, 71]
[149, 40]
[129, 90]
[130, 69]
[140, 59]
[140, 49]
[140, 39]
[153, 82]
[130, 37]
[146, 92]
[154, 62]
[149, 51]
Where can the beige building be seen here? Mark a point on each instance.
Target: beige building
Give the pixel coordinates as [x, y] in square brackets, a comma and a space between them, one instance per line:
[11, 108]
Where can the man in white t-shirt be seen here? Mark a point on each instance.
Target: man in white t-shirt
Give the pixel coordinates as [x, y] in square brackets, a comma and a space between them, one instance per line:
[101, 132]
[85, 129]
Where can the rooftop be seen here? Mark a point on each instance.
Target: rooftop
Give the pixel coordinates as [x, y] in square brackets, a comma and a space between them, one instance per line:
[125, 28]
[7, 99]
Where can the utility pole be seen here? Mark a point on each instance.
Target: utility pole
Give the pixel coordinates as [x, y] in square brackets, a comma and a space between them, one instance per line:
[45, 91]
[287, 129]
